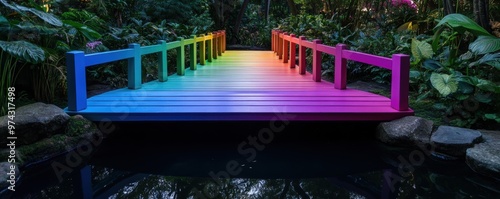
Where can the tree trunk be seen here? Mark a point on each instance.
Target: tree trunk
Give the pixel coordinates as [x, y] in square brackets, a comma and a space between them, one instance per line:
[481, 14]
[449, 8]
[293, 7]
[218, 7]
[237, 23]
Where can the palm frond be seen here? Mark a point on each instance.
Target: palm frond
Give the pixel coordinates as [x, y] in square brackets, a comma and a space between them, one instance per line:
[23, 50]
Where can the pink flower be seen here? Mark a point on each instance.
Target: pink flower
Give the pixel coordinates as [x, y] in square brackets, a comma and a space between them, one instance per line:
[409, 3]
[93, 44]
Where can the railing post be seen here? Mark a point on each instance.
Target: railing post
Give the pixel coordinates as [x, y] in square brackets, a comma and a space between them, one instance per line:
[202, 50]
[285, 48]
[316, 67]
[162, 62]
[272, 40]
[76, 80]
[181, 58]
[400, 81]
[220, 43]
[292, 52]
[134, 68]
[280, 45]
[276, 41]
[192, 54]
[210, 47]
[302, 56]
[340, 79]
[215, 42]
[224, 41]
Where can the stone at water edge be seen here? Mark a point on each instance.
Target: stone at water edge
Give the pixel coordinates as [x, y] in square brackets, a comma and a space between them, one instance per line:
[34, 122]
[408, 131]
[454, 141]
[484, 158]
[79, 132]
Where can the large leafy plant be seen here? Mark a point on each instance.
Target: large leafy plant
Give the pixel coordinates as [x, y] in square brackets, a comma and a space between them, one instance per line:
[15, 50]
[464, 82]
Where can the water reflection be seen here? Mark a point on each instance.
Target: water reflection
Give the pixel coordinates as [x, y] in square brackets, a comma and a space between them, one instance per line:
[198, 164]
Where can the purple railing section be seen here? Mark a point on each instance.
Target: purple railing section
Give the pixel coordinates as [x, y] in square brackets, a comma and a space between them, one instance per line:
[285, 46]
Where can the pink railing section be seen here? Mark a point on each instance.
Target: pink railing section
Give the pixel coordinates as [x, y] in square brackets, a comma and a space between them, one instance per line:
[285, 46]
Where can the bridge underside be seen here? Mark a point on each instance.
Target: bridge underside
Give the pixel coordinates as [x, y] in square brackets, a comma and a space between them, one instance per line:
[240, 86]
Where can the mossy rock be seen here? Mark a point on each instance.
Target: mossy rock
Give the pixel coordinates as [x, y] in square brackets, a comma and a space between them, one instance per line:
[78, 125]
[78, 131]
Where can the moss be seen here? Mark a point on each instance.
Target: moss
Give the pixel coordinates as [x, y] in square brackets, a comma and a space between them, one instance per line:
[78, 125]
[42, 149]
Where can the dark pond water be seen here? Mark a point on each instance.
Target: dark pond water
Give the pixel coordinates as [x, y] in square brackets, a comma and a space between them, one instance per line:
[252, 160]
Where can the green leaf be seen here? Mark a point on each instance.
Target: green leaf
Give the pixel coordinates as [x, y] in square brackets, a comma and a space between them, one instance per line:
[47, 17]
[414, 74]
[421, 49]
[86, 31]
[487, 85]
[23, 50]
[42, 30]
[483, 98]
[62, 46]
[489, 59]
[432, 64]
[461, 23]
[445, 84]
[485, 44]
[492, 117]
[3, 20]
[465, 87]
[439, 106]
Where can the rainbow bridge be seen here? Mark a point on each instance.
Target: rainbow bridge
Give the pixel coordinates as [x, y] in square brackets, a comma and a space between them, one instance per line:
[222, 85]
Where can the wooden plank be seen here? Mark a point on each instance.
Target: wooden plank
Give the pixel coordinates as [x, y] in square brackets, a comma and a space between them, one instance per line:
[130, 108]
[138, 98]
[218, 117]
[201, 102]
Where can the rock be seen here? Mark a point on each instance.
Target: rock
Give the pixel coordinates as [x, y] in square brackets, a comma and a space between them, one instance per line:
[407, 131]
[34, 122]
[78, 125]
[80, 134]
[490, 136]
[484, 158]
[454, 141]
[7, 173]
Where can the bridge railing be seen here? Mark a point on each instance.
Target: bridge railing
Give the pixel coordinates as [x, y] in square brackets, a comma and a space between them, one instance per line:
[210, 46]
[284, 45]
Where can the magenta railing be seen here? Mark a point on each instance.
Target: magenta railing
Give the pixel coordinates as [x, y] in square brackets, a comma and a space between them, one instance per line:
[284, 45]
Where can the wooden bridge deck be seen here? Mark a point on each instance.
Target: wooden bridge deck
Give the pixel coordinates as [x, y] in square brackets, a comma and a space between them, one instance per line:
[240, 86]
